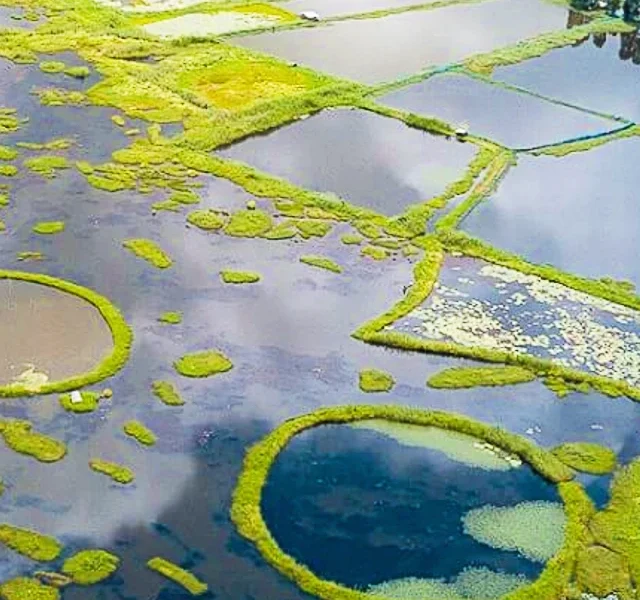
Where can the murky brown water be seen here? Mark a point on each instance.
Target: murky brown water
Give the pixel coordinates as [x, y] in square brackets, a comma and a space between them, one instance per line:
[57, 333]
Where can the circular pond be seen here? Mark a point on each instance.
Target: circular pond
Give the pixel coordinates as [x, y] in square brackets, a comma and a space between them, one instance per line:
[56, 335]
[430, 505]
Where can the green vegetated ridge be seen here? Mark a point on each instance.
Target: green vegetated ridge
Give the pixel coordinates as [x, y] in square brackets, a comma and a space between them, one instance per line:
[120, 331]
[557, 579]
[469, 377]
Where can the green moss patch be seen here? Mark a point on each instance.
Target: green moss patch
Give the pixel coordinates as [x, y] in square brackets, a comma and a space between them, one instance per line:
[27, 255]
[373, 380]
[8, 170]
[48, 227]
[209, 220]
[179, 575]
[78, 72]
[122, 336]
[139, 432]
[374, 252]
[602, 572]
[248, 223]
[239, 276]
[23, 588]
[351, 239]
[29, 543]
[313, 228]
[118, 473]
[20, 437]
[203, 364]
[8, 153]
[9, 122]
[149, 251]
[167, 393]
[586, 457]
[46, 166]
[463, 377]
[52, 66]
[171, 318]
[90, 566]
[321, 262]
[89, 402]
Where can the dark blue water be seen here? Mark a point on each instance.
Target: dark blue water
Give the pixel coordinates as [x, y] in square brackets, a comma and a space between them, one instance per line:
[359, 508]
[514, 119]
[579, 213]
[602, 73]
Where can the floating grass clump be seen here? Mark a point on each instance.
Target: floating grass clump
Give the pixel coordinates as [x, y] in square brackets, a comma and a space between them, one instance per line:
[321, 262]
[374, 252]
[460, 447]
[179, 575]
[309, 228]
[9, 123]
[27, 255]
[351, 239]
[587, 457]
[203, 364]
[20, 437]
[24, 588]
[461, 377]
[117, 472]
[149, 251]
[139, 432]
[8, 170]
[209, 220]
[52, 66]
[248, 223]
[46, 166]
[88, 403]
[29, 543]
[167, 393]
[90, 566]
[77, 72]
[120, 332]
[534, 529]
[373, 380]
[48, 227]
[239, 276]
[171, 318]
[8, 153]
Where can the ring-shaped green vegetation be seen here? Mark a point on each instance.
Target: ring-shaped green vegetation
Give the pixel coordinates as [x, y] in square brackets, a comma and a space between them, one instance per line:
[247, 515]
[120, 333]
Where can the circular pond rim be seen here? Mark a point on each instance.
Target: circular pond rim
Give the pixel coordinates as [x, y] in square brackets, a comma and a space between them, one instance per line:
[247, 516]
[120, 332]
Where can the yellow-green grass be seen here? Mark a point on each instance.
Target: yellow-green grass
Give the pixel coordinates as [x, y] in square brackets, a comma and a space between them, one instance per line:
[469, 377]
[203, 364]
[167, 393]
[374, 380]
[31, 544]
[179, 575]
[89, 567]
[140, 433]
[150, 251]
[118, 473]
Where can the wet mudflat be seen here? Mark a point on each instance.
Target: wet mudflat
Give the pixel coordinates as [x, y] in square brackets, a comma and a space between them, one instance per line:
[455, 32]
[569, 74]
[368, 160]
[578, 212]
[513, 119]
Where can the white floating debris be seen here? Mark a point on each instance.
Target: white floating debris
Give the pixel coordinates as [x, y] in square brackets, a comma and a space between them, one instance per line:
[310, 15]
[76, 397]
[597, 427]
[251, 205]
[462, 130]
[529, 431]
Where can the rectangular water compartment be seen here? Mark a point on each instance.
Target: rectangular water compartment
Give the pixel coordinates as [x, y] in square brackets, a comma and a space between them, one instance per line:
[368, 160]
[385, 49]
[514, 119]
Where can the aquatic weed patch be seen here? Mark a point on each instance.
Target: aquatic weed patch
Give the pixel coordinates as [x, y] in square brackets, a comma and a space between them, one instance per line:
[88, 567]
[203, 364]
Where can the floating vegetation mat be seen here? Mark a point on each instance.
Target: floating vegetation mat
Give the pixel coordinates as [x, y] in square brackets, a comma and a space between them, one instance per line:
[476, 304]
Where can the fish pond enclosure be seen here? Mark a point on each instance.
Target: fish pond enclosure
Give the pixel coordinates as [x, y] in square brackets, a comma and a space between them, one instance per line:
[317, 299]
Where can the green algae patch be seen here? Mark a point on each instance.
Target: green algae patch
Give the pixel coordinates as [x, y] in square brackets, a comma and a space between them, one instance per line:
[120, 331]
[602, 572]
[9, 123]
[61, 97]
[52, 66]
[373, 380]
[282, 231]
[309, 228]
[88, 402]
[78, 72]
[179, 575]
[48, 227]
[24, 588]
[586, 457]
[8, 153]
[248, 223]
[139, 432]
[55, 144]
[46, 166]
[533, 529]
[321, 262]
[27, 255]
[351, 239]
[8, 170]
[150, 251]
[470, 377]
[30, 543]
[239, 277]
[171, 318]
[209, 220]
[167, 393]
[20, 437]
[203, 364]
[90, 566]
[247, 497]
[374, 252]
[117, 472]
